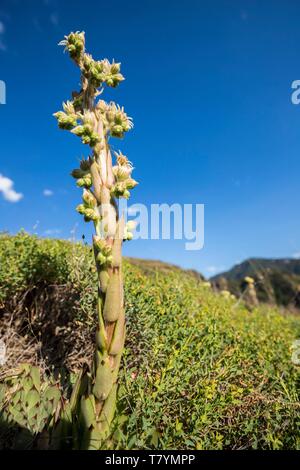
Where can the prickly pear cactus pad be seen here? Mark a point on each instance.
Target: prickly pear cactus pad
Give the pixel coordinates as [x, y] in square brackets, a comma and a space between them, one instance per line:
[27, 402]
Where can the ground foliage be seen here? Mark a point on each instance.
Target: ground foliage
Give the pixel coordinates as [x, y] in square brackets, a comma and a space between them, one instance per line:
[199, 370]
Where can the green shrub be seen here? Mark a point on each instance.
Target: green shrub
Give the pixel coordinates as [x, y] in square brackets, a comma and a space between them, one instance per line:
[26, 261]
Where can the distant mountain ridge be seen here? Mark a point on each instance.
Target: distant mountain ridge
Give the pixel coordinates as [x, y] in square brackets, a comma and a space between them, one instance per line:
[276, 280]
[251, 265]
[150, 265]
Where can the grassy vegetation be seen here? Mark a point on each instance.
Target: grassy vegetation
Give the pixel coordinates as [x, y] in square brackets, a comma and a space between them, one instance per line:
[199, 370]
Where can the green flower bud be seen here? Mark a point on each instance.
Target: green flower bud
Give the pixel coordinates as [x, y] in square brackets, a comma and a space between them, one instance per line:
[131, 183]
[104, 255]
[88, 120]
[110, 116]
[85, 182]
[87, 134]
[74, 44]
[118, 120]
[85, 139]
[120, 190]
[128, 235]
[113, 79]
[122, 172]
[95, 71]
[110, 82]
[126, 127]
[101, 258]
[101, 106]
[65, 121]
[94, 139]
[91, 214]
[71, 49]
[99, 243]
[78, 130]
[117, 131]
[100, 66]
[115, 68]
[89, 199]
[81, 208]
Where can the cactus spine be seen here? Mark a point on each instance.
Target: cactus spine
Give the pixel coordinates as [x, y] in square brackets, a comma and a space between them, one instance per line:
[103, 183]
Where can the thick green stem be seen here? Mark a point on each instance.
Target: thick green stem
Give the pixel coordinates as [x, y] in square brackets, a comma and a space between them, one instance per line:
[94, 402]
[98, 407]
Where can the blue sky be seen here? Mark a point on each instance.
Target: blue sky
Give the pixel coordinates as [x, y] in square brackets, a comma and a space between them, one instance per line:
[208, 84]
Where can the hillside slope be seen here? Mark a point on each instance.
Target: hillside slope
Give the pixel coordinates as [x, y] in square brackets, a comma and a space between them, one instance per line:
[199, 371]
[277, 281]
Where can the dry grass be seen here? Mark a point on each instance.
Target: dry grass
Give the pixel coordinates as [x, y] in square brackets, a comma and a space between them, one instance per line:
[41, 329]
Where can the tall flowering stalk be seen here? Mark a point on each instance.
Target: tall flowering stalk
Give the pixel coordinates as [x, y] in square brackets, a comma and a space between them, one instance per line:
[95, 122]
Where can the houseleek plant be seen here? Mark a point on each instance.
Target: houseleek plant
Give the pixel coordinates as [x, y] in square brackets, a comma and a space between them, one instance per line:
[103, 182]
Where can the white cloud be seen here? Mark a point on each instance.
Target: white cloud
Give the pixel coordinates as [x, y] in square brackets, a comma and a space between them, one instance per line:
[296, 255]
[6, 188]
[52, 231]
[48, 192]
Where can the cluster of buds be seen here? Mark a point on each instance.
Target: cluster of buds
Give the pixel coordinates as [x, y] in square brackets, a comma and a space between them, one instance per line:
[101, 71]
[104, 251]
[74, 44]
[114, 117]
[121, 189]
[83, 175]
[89, 207]
[129, 228]
[86, 129]
[67, 119]
[113, 75]
[122, 173]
